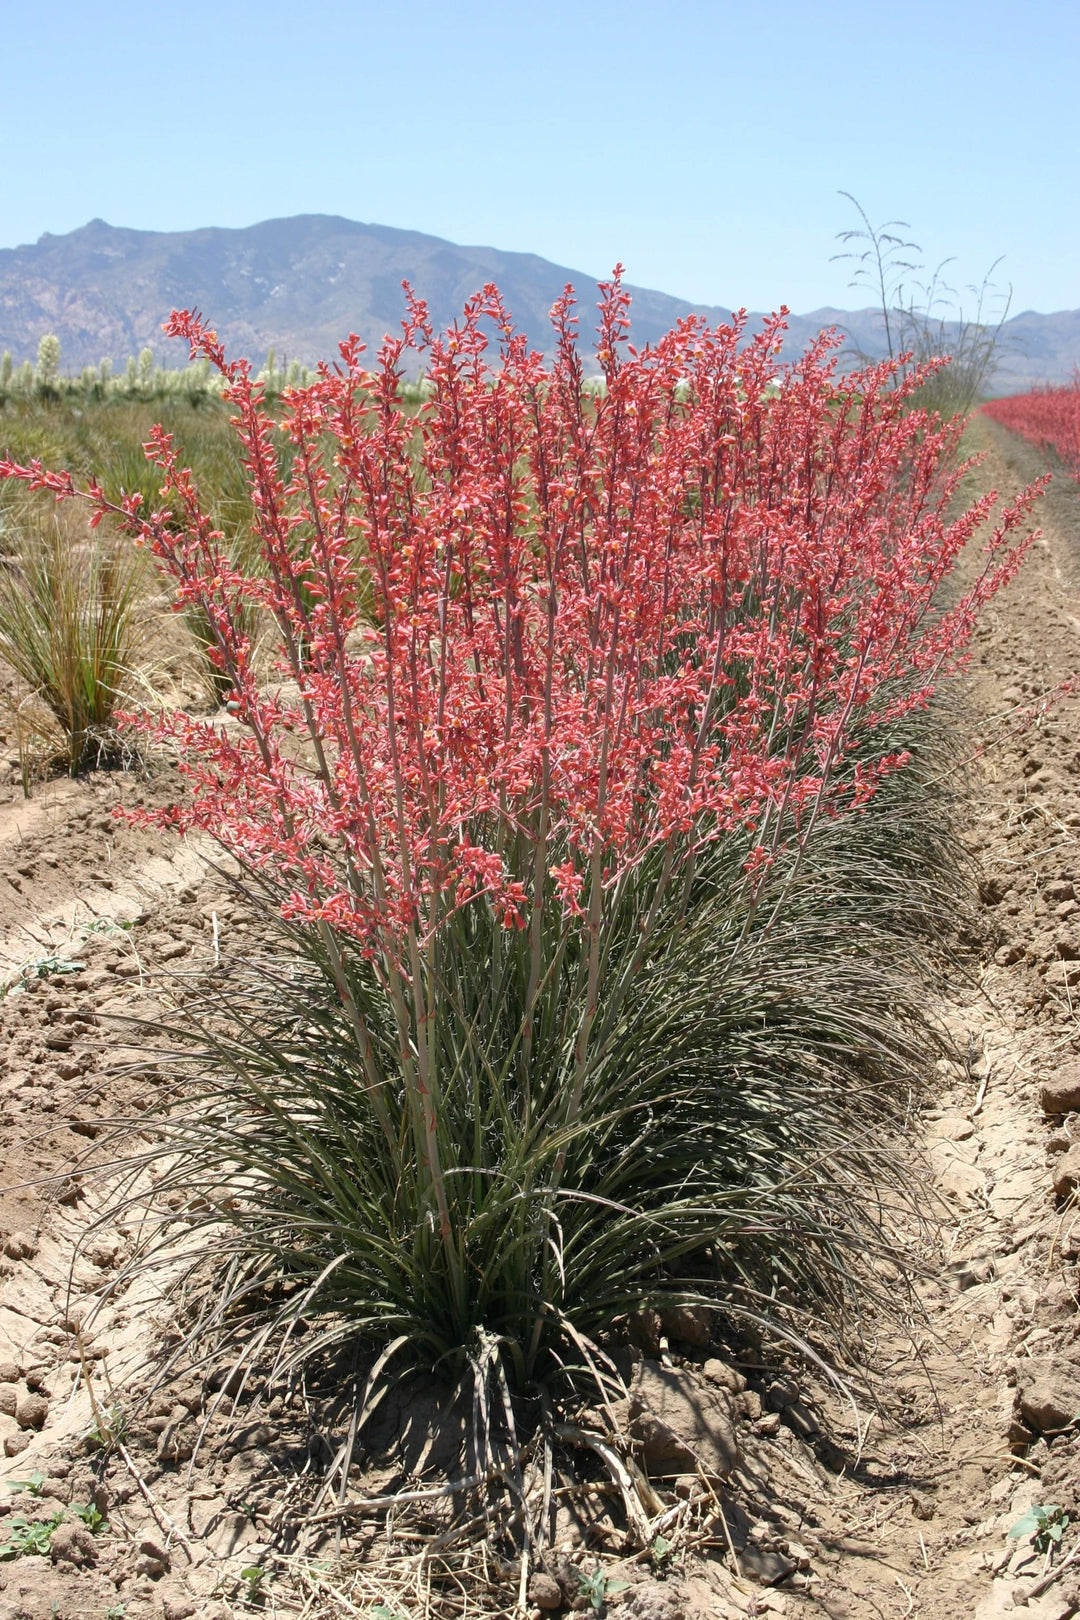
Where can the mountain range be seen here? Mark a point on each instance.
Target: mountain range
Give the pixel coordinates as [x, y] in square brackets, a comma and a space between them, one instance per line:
[299, 285]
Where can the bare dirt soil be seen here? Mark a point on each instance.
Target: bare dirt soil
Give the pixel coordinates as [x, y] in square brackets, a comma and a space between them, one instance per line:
[903, 1512]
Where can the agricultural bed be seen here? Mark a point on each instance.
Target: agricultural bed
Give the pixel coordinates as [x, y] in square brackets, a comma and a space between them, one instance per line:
[976, 1421]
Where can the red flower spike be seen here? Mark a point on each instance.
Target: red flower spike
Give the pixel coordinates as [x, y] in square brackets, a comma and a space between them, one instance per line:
[534, 632]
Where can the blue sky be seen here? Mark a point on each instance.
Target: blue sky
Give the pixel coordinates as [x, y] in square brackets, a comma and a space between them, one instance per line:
[701, 142]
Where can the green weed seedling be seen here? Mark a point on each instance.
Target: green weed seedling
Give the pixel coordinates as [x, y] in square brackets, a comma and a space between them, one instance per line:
[42, 967]
[1046, 1525]
[117, 1612]
[661, 1550]
[26, 1538]
[32, 1486]
[92, 1516]
[598, 1587]
[383, 1611]
[253, 1577]
[108, 925]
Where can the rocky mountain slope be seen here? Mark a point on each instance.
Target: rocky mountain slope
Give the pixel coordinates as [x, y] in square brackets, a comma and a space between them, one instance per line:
[298, 285]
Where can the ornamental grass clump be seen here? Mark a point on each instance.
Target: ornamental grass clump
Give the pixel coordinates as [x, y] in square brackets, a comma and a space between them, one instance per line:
[592, 826]
[72, 627]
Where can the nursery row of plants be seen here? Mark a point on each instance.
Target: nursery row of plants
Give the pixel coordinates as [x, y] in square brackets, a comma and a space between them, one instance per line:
[1048, 417]
[595, 810]
[141, 379]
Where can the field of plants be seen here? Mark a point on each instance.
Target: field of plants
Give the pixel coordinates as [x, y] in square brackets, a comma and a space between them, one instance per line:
[1050, 418]
[524, 998]
[141, 379]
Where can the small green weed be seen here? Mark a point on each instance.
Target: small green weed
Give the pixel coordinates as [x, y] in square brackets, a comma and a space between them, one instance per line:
[28, 1537]
[40, 967]
[45, 967]
[253, 1577]
[1046, 1525]
[598, 1587]
[108, 925]
[92, 1516]
[33, 1486]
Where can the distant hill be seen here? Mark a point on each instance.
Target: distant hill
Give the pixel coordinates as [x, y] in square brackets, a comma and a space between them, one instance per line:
[1034, 349]
[299, 285]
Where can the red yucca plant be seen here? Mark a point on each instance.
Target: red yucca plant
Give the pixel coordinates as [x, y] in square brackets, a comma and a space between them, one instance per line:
[1049, 417]
[567, 813]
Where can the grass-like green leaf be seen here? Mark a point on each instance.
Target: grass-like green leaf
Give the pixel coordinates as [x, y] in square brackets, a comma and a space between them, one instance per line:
[72, 626]
[745, 1083]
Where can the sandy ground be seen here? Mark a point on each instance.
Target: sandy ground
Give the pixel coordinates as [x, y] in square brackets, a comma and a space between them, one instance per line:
[981, 1420]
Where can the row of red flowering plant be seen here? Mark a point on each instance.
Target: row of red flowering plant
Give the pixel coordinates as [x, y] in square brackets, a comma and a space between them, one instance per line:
[1048, 417]
[576, 679]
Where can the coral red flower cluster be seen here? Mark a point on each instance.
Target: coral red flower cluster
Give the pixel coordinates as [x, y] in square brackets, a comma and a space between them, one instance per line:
[548, 625]
[1049, 417]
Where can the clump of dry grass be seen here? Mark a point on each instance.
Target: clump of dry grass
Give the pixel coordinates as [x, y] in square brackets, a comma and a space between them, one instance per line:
[72, 626]
[104, 438]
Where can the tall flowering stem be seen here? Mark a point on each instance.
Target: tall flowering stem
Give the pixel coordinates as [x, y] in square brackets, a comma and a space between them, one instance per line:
[545, 646]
